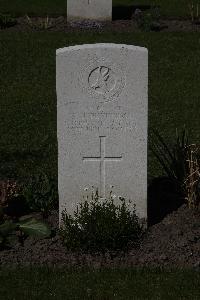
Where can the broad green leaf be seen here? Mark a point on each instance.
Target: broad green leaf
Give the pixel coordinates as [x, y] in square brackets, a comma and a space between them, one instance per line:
[34, 227]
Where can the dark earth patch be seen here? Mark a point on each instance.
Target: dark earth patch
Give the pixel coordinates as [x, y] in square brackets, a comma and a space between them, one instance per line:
[60, 24]
[173, 242]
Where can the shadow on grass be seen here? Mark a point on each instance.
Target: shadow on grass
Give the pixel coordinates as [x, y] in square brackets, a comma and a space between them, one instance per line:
[126, 12]
[164, 196]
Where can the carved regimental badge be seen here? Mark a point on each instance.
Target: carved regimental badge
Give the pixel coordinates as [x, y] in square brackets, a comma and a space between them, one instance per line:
[103, 79]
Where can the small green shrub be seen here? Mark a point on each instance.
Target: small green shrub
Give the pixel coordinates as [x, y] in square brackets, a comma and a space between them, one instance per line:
[99, 225]
[40, 24]
[172, 158]
[181, 162]
[6, 21]
[40, 193]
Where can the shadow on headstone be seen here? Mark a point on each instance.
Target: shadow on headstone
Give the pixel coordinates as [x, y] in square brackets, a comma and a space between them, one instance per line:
[164, 197]
[126, 12]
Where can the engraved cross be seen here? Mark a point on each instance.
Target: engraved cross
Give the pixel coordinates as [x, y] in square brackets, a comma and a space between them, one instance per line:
[102, 158]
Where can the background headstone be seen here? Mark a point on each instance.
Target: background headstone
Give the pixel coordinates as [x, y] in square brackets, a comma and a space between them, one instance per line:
[89, 9]
[102, 113]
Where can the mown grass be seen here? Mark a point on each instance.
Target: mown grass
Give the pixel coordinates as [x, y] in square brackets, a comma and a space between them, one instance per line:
[28, 92]
[172, 8]
[64, 283]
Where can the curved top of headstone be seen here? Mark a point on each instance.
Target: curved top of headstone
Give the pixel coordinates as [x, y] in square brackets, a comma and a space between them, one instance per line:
[100, 45]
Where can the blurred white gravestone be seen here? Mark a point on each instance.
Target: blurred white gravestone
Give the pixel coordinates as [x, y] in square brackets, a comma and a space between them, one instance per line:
[89, 9]
[102, 109]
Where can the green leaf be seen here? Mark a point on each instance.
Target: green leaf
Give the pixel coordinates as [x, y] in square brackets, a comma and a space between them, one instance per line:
[34, 227]
[7, 227]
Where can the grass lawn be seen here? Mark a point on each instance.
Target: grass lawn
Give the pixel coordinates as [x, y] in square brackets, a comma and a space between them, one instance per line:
[171, 8]
[28, 92]
[53, 283]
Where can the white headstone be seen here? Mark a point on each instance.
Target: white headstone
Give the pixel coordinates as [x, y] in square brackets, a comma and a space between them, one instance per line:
[89, 9]
[102, 113]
